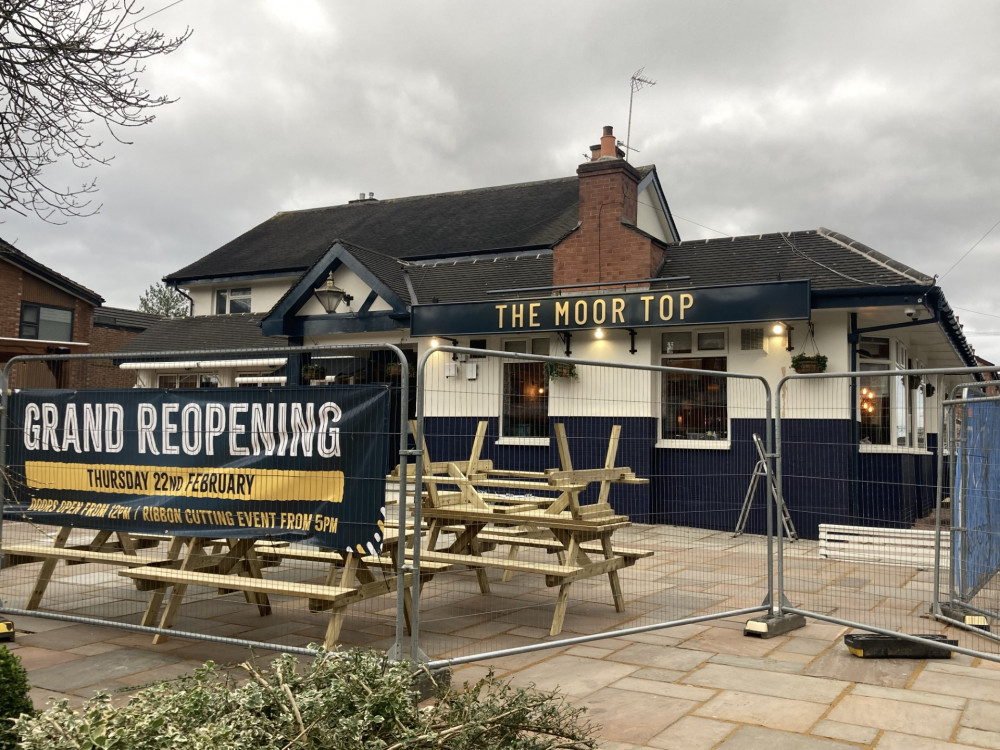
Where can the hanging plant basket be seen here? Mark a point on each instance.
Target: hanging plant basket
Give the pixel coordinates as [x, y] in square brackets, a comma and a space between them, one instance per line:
[393, 370]
[313, 372]
[809, 363]
[555, 370]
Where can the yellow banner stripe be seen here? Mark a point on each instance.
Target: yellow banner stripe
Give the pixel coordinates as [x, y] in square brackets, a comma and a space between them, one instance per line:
[171, 481]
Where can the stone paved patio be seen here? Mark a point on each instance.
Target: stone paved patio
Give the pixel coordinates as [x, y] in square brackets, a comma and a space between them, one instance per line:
[687, 687]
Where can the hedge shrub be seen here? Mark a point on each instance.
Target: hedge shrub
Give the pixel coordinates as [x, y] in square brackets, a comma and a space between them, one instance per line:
[14, 699]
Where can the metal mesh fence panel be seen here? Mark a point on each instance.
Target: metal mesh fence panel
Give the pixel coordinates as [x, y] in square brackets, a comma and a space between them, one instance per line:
[231, 495]
[568, 499]
[867, 470]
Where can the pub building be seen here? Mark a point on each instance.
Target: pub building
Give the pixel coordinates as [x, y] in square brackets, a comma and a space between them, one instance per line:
[592, 266]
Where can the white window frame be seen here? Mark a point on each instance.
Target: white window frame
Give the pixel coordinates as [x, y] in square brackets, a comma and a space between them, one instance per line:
[668, 355]
[903, 429]
[227, 296]
[530, 345]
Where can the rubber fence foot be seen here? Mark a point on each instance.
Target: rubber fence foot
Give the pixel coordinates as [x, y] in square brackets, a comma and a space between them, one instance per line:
[967, 617]
[773, 625]
[879, 646]
[6, 630]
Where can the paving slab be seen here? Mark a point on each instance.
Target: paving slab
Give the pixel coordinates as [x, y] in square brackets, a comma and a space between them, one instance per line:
[628, 716]
[757, 738]
[763, 710]
[79, 673]
[897, 716]
[762, 682]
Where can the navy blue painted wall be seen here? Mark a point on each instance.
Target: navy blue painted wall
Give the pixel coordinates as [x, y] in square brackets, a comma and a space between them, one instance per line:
[825, 479]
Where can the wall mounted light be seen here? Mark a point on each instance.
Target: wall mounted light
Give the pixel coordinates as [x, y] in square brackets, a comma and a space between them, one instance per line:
[330, 295]
[780, 328]
[436, 342]
[598, 333]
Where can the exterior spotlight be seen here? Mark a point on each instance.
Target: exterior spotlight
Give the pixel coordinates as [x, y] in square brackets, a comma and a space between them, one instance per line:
[435, 343]
[598, 333]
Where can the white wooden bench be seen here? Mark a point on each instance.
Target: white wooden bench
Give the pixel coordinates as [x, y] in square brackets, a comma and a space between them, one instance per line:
[872, 544]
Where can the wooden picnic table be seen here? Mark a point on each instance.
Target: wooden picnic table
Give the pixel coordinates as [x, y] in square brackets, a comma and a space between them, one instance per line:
[225, 564]
[350, 577]
[552, 518]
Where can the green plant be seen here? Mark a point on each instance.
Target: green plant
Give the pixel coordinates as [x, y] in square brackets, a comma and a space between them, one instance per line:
[554, 370]
[337, 701]
[313, 372]
[14, 699]
[809, 363]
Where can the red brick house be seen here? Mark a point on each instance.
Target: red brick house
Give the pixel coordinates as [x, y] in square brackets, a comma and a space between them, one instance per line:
[44, 312]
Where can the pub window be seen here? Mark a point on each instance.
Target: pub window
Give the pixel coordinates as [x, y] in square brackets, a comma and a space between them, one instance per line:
[187, 380]
[693, 406]
[46, 323]
[236, 300]
[525, 408]
[890, 410]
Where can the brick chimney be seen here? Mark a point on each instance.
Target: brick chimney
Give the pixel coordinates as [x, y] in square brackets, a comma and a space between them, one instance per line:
[606, 245]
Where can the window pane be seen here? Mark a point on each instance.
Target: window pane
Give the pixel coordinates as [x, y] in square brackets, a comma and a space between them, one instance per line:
[55, 324]
[221, 298]
[29, 321]
[873, 405]
[525, 400]
[712, 341]
[239, 305]
[675, 342]
[540, 346]
[693, 407]
[517, 345]
[872, 347]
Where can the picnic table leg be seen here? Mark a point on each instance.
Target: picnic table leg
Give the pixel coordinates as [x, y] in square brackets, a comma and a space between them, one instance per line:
[562, 600]
[156, 600]
[48, 568]
[178, 590]
[253, 570]
[616, 585]
[339, 611]
[466, 543]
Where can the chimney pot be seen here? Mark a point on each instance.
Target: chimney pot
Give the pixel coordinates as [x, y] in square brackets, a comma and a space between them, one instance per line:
[609, 146]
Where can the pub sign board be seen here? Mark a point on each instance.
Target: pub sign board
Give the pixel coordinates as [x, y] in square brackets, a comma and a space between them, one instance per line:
[737, 303]
[303, 463]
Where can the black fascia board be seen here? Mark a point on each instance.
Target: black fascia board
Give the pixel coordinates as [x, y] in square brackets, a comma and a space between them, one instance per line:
[326, 325]
[882, 296]
[178, 280]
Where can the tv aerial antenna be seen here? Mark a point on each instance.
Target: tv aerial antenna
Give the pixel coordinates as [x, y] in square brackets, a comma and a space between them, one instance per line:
[638, 82]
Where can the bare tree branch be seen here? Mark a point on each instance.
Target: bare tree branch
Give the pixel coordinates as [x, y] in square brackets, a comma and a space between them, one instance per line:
[65, 66]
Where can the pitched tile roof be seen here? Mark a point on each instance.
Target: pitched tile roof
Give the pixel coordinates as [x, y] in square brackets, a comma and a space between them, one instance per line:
[831, 260]
[526, 215]
[13, 255]
[116, 317]
[204, 333]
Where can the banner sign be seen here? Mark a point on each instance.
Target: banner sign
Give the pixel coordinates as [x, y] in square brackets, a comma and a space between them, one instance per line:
[305, 463]
[737, 303]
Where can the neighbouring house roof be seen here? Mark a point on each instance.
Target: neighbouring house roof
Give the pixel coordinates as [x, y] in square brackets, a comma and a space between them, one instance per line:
[204, 333]
[12, 255]
[116, 317]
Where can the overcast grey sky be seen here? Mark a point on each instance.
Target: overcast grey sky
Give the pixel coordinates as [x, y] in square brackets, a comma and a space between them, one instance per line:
[876, 119]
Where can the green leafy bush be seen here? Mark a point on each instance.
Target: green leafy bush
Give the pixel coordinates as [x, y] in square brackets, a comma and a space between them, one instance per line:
[354, 700]
[14, 699]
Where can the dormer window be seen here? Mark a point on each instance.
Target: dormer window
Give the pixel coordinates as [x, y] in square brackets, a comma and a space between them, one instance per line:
[230, 301]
